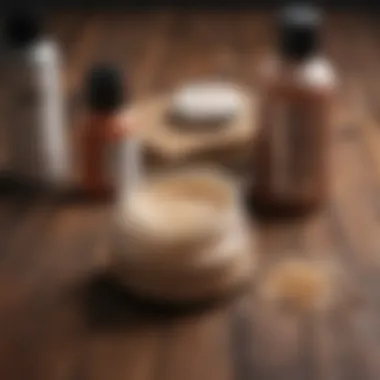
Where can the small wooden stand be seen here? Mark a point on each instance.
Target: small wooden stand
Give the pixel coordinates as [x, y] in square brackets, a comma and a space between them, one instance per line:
[166, 145]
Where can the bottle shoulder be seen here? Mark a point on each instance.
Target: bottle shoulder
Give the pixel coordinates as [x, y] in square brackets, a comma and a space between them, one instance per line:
[45, 50]
[108, 127]
[316, 74]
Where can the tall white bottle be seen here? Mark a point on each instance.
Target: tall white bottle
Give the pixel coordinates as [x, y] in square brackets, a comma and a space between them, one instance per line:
[38, 145]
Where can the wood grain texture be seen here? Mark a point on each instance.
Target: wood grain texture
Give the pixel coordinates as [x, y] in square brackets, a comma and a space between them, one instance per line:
[61, 319]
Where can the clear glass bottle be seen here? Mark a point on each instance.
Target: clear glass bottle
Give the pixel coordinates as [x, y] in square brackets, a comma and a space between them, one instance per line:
[297, 89]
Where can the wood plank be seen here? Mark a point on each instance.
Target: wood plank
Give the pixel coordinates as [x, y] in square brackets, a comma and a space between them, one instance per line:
[197, 348]
[27, 217]
[155, 48]
[256, 39]
[358, 350]
[365, 94]
[12, 210]
[354, 210]
[68, 264]
[354, 186]
[322, 344]
[187, 57]
[127, 353]
[275, 334]
[65, 26]
[48, 324]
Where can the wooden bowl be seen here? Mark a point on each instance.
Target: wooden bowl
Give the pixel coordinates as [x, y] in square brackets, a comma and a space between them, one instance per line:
[164, 249]
[176, 212]
[214, 271]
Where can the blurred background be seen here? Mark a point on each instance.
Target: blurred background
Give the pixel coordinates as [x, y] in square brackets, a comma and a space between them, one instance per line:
[51, 250]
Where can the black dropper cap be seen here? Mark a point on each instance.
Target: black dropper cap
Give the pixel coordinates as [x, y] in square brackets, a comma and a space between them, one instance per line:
[22, 27]
[105, 88]
[299, 31]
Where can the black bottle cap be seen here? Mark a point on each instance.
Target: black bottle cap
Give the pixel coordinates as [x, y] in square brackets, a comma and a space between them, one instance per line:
[105, 88]
[299, 31]
[22, 27]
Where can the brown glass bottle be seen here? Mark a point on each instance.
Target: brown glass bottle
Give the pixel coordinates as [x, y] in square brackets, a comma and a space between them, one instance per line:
[291, 152]
[103, 129]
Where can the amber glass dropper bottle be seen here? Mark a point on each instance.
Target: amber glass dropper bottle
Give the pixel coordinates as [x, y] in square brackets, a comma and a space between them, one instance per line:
[104, 132]
[296, 86]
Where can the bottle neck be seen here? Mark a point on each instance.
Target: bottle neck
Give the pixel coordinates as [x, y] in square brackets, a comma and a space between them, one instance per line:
[101, 120]
[103, 114]
[294, 63]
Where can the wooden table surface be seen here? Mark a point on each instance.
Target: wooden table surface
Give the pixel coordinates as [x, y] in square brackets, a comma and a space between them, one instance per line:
[52, 250]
